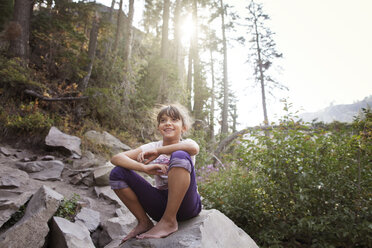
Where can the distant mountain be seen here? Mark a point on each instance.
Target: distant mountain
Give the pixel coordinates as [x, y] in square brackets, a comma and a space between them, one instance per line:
[341, 112]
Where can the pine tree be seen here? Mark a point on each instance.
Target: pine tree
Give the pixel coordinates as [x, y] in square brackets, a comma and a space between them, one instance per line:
[263, 51]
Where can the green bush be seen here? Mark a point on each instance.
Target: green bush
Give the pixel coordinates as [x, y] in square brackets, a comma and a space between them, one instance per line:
[28, 119]
[69, 208]
[15, 77]
[299, 186]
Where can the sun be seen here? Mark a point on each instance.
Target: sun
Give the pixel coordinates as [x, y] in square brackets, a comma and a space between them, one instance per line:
[187, 30]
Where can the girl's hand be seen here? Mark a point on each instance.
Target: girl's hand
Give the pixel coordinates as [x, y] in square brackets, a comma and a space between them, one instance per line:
[147, 156]
[156, 169]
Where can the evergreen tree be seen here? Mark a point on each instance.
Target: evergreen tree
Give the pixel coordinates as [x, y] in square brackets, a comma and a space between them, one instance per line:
[263, 51]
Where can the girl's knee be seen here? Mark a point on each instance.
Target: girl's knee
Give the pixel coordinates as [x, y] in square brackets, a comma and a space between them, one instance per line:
[180, 159]
[117, 173]
[180, 155]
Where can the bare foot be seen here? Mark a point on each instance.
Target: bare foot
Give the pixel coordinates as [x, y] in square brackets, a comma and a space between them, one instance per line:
[161, 230]
[140, 228]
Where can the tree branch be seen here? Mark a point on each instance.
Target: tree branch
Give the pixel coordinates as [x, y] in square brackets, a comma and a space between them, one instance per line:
[43, 98]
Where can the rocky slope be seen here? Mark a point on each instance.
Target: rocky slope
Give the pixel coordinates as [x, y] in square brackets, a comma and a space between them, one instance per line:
[43, 180]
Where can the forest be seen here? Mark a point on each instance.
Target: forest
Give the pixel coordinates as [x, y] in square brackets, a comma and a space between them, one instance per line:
[80, 65]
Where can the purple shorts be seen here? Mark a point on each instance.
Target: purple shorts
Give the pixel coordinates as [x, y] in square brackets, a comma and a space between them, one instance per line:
[154, 200]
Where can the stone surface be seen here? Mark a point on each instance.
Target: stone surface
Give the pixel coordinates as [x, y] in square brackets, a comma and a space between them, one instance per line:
[66, 234]
[5, 151]
[119, 227]
[58, 139]
[102, 174]
[47, 158]
[43, 170]
[107, 140]
[107, 193]
[89, 218]
[210, 229]
[11, 178]
[12, 193]
[32, 229]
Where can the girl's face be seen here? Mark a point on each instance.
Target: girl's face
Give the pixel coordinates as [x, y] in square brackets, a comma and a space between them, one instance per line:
[171, 128]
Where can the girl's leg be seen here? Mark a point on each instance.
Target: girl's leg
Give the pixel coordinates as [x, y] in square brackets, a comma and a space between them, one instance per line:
[178, 183]
[183, 200]
[129, 198]
[139, 196]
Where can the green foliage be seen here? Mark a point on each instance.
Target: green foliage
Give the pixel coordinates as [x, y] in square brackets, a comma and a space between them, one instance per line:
[26, 119]
[14, 77]
[300, 186]
[69, 208]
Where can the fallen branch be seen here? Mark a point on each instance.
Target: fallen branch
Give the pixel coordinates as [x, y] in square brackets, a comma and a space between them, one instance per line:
[43, 98]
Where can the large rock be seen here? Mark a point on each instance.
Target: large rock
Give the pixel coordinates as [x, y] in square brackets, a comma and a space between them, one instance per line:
[102, 174]
[12, 192]
[107, 193]
[58, 139]
[119, 227]
[32, 229]
[12, 178]
[66, 234]
[210, 229]
[43, 170]
[107, 140]
[89, 218]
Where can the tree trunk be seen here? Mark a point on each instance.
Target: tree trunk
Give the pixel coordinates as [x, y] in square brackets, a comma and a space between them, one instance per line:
[91, 52]
[198, 83]
[178, 43]
[118, 28]
[262, 82]
[19, 45]
[189, 78]
[128, 88]
[108, 43]
[224, 125]
[129, 35]
[162, 94]
[211, 122]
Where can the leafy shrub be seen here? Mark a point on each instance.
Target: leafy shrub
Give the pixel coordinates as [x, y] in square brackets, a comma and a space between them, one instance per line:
[69, 208]
[15, 76]
[299, 187]
[28, 120]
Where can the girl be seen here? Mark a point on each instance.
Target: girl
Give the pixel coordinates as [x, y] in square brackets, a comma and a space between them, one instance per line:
[171, 160]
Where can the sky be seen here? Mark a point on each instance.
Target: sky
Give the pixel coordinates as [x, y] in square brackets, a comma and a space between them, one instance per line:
[327, 56]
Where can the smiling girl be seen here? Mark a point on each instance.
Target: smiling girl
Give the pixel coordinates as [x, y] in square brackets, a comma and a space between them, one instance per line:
[174, 197]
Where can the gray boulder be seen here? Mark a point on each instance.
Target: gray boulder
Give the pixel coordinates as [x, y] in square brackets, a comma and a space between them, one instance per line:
[58, 139]
[102, 174]
[12, 191]
[210, 229]
[107, 193]
[119, 227]
[89, 218]
[43, 170]
[107, 140]
[5, 151]
[12, 178]
[32, 229]
[66, 234]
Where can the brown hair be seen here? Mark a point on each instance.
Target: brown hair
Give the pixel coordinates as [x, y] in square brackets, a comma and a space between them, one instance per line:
[176, 111]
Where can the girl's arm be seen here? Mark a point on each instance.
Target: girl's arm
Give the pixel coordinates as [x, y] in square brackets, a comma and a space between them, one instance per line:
[128, 160]
[188, 146]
